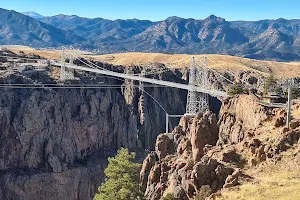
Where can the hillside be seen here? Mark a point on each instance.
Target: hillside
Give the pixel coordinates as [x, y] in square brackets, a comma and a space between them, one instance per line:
[179, 61]
[265, 39]
[280, 181]
[16, 28]
[98, 30]
[219, 62]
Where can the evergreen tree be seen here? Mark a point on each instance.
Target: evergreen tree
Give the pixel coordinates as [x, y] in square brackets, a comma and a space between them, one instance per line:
[122, 178]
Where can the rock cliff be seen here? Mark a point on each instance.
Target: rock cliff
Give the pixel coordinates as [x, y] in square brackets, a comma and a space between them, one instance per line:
[184, 171]
[54, 142]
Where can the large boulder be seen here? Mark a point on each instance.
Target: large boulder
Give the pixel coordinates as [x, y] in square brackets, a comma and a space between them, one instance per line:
[164, 145]
[209, 172]
[294, 123]
[203, 130]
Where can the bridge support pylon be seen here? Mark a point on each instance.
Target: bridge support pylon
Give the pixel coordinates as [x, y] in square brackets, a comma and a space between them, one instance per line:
[63, 67]
[197, 102]
[66, 74]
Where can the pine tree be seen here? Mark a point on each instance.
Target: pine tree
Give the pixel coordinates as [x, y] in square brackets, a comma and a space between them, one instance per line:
[122, 178]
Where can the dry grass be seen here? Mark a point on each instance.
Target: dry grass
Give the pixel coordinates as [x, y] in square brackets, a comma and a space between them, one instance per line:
[277, 186]
[276, 181]
[49, 54]
[296, 114]
[218, 62]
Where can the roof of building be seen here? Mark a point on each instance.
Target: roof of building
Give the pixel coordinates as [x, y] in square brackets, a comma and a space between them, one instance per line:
[273, 95]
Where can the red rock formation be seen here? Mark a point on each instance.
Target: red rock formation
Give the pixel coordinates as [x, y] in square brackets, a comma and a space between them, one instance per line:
[203, 130]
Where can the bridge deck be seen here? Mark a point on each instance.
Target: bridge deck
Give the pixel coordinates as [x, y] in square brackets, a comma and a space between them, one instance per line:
[214, 93]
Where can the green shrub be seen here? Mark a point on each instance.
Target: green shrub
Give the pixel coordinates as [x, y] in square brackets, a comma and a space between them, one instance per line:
[122, 178]
[236, 89]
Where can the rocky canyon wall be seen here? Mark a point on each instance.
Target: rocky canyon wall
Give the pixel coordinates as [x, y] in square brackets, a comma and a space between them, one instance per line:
[54, 142]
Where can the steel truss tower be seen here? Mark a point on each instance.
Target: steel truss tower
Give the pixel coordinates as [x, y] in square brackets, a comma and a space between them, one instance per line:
[66, 74]
[197, 102]
[63, 67]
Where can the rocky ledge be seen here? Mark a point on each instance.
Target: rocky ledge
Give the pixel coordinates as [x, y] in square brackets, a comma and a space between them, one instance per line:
[203, 156]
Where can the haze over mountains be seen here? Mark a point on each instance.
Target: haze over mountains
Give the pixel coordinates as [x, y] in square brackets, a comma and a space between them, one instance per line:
[266, 39]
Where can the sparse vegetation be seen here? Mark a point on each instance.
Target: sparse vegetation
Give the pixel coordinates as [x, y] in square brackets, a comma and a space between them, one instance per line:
[236, 89]
[270, 84]
[122, 178]
[204, 192]
[169, 197]
[278, 90]
[295, 93]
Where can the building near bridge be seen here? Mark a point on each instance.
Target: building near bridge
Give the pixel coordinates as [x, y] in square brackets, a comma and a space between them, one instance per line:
[273, 97]
[30, 67]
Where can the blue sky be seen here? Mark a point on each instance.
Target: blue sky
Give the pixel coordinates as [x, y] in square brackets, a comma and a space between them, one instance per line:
[160, 9]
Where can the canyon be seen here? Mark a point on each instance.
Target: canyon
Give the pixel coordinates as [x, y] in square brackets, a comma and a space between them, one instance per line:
[55, 141]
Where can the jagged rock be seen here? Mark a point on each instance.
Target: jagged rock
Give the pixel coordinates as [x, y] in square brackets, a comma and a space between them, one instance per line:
[294, 123]
[154, 175]
[241, 128]
[238, 114]
[175, 187]
[184, 148]
[229, 155]
[148, 163]
[209, 172]
[232, 180]
[287, 139]
[280, 121]
[237, 134]
[55, 164]
[164, 145]
[178, 134]
[180, 193]
[203, 130]
[184, 123]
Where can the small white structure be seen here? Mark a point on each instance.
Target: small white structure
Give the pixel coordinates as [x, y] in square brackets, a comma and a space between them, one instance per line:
[3, 48]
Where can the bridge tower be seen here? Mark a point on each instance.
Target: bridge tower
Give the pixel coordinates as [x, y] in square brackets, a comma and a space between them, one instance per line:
[70, 72]
[63, 67]
[197, 102]
[66, 74]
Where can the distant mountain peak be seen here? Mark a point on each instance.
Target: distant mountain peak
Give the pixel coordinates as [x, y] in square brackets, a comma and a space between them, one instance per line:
[172, 18]
[214, 18]
[33, 15]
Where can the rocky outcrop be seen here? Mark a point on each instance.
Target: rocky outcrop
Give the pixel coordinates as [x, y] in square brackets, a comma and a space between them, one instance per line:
[181, 169]
[203, 131]
[240, 114]
[164, 145]
[251, 136]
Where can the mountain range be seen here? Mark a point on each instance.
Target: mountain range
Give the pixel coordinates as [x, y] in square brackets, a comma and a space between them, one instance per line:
[265, 39]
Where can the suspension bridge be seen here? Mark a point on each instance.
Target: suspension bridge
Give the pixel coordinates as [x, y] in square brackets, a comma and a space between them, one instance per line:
[199, 88]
